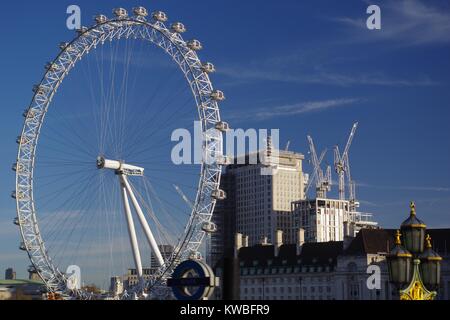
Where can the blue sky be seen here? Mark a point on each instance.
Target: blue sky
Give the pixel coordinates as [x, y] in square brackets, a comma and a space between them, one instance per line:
[305, 67]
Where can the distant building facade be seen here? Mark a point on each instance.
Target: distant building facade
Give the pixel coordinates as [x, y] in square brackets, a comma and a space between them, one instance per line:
[221, 242]
[33, 275]
[10, 274]
[335, 270]
[18, 289]
[116, 287]
[131, 279]
[166, 251]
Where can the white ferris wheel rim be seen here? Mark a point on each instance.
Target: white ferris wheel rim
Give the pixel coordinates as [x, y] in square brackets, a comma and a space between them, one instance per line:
[187, 60]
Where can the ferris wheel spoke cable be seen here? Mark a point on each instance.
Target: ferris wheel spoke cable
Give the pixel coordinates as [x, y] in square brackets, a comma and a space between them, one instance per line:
[54, 223]
[62, 165]
[84, 215]
[108, 101]
[75, 139]
[134, 83]
[169, 217]
[159, 228]
[67, 229]
[151, 212]
[50, 180]
[157, 170]
[118, 108]
[52, 218]
[158, 199]
[125, 97]
[113, 236]
[89, 249]
[141, 124]
[136, 135]
[169, 183]
[68, 205]
[162, 103]
[58, 160]
[55, 117]
[117, 101]
[67, 184]
[165, 140]
[93, 245]
[63, 141]
[60, 152]
[163, 124]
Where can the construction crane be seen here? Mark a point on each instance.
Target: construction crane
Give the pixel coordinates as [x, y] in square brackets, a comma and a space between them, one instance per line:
[183, 196]
[342, 167]
[287, 145]
[323, 183]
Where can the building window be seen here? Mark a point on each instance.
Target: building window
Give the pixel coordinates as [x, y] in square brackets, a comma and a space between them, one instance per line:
[352, 267]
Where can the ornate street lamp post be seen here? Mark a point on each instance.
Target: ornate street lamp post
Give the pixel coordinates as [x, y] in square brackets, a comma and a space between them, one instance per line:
[414, 268]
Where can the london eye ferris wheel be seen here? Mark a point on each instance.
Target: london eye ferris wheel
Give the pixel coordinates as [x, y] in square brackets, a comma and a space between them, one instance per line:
[95, 183]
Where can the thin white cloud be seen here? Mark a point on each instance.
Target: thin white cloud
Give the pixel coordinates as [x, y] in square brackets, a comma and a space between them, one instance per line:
[293, 109]
[368, 203]
[421, 201]
[407, 22]
[407, 188]
[324, 77]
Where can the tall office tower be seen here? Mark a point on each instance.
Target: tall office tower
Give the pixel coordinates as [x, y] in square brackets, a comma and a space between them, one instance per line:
[222, 241]
[258, 199]
[264, 193]
[166, 251]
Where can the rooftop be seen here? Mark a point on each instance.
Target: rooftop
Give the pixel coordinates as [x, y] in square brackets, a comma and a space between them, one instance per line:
[286, 158]
[321, 253]
[367, 241]
[18, 282]
[372, 241]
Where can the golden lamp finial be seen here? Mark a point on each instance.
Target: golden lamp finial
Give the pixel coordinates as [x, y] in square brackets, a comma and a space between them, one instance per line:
[397, 238]
[412, 205]
[428, 241]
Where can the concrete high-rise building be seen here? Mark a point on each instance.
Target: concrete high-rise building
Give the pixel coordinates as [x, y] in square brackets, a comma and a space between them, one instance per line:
[263, 196]
[222, 241]
[131, 278]
[259, 198]
[166, 252]
[329, 219]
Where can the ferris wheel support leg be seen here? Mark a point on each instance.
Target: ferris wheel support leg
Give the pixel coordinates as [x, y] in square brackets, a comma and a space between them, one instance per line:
[131, 230]
[147, 231]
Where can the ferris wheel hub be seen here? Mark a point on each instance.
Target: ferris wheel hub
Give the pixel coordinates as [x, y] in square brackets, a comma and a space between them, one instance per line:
[119, 166]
